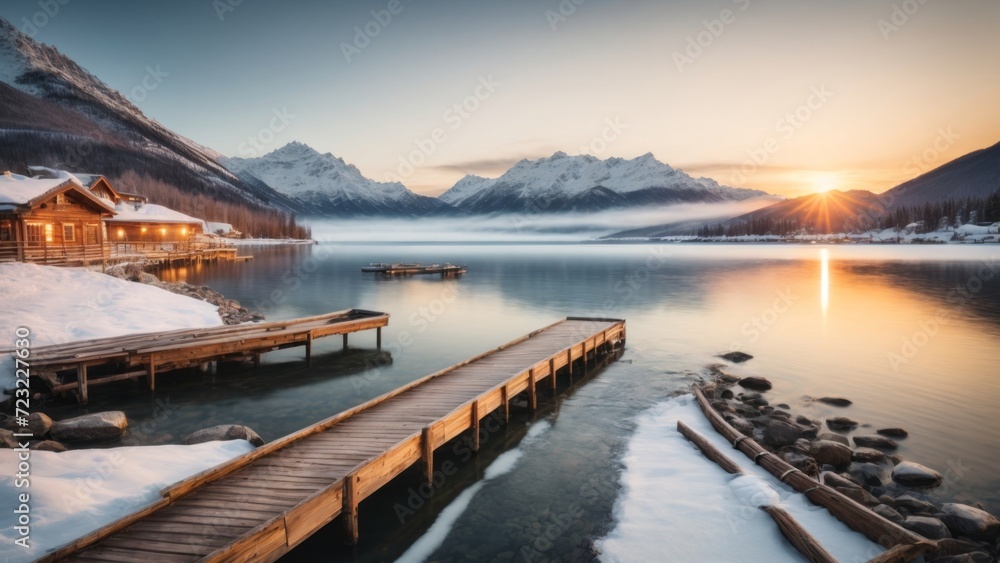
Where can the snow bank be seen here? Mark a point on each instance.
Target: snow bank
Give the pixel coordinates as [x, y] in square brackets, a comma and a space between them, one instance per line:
[678, 505]
[76, 492]
[60, 305]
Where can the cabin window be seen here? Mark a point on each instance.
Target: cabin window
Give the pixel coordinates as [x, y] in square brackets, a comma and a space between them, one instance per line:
[60, 199]
[6, 231]
[69, 232]
[34, 233]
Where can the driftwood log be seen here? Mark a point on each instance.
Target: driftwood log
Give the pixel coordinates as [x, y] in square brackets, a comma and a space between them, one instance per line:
[856, 516]
[798, 536]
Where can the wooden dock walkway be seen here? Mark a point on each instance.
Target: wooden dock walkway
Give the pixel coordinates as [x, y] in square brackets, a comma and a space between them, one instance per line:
[259, 506]
[66, 367]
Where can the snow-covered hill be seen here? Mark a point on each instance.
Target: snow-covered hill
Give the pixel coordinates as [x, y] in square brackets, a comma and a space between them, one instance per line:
[563, 183]
[327, 185]
[46, 94]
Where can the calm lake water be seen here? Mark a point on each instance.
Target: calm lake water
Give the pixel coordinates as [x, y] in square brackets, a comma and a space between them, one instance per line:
[881, 325]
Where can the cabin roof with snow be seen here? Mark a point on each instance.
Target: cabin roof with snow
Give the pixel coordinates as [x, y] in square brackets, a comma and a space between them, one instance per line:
[96, 183]
[152, 213]
[18, 191]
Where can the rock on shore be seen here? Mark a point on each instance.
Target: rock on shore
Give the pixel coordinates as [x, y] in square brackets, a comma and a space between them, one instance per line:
[891, 487]
[230, 310]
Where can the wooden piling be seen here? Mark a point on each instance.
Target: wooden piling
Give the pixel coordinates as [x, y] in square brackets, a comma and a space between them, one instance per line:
[81, 383]
[474, 411]
[427, 454]
[532, 390]
[351, 508]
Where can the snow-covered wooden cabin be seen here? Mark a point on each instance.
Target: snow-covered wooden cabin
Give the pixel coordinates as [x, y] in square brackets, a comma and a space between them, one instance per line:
[140, 225]
[53, 220]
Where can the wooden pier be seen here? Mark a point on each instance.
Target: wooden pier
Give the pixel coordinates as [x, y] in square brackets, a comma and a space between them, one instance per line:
[65, 367]
[260, 505]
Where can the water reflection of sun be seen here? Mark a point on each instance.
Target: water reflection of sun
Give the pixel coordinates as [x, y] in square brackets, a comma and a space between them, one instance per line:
[824, 280]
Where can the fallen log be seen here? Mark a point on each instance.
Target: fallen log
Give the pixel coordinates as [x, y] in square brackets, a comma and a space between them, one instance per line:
[856, 516]
[808, 546]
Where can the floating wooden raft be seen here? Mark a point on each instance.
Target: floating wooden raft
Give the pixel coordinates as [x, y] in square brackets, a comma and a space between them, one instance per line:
[902, 544]
[137, 355]
[414, 269]
[262, 504]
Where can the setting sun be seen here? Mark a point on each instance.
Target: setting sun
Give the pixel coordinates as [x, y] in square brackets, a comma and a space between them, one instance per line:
[825, 182]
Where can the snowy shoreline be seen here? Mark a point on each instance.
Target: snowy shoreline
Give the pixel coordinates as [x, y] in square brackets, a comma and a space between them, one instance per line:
[965, 234]
[75, 492]
[675, 503]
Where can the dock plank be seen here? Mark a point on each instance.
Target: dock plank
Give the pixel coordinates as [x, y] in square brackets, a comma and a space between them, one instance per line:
[260, 505]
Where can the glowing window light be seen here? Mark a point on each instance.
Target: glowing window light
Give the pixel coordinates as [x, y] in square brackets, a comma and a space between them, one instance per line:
[121, 232]
[144, 230]
[48, 232]
[163, 231]
[184, 231]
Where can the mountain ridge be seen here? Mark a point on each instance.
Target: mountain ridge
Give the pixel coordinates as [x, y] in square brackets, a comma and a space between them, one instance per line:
[330, 186]
[583, 183]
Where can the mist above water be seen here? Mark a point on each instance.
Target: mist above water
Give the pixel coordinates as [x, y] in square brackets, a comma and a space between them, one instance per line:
[521, 227]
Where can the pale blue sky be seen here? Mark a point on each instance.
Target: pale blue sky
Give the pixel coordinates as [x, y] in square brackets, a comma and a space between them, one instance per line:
[605, 80]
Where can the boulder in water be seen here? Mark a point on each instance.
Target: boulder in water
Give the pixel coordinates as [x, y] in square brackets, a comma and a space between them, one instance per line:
[832, 453]
[872, 441]
[98, 427]
[835, 401]
[893, 432]
[965, 520]
[736, 357]
[930, 528]
[755, 383]
[841, 423]
[915, 475]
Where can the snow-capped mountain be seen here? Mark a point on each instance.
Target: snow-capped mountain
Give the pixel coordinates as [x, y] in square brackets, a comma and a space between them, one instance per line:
[562, 183]
[327, 185]
[56, 113]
